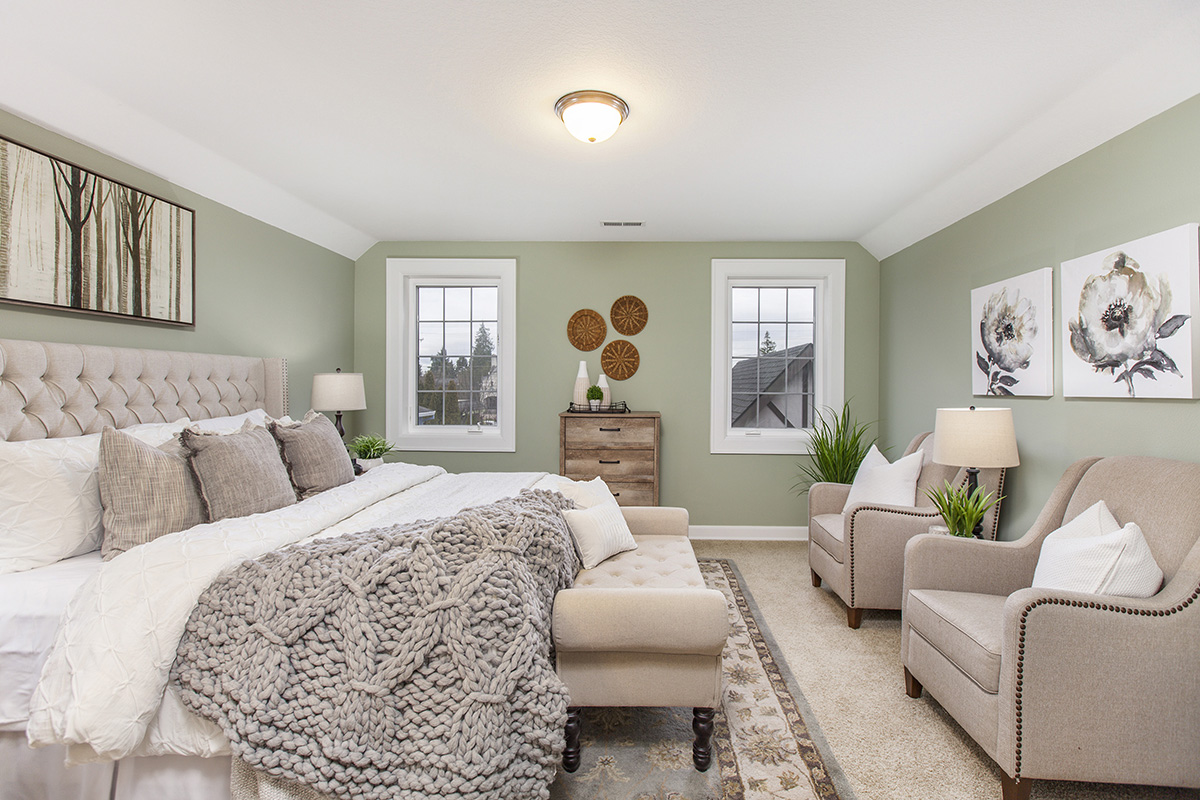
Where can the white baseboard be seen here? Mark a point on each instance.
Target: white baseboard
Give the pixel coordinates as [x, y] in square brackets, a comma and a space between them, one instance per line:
[750, 533]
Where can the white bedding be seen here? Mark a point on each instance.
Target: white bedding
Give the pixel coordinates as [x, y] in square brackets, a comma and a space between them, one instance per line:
[102, 691]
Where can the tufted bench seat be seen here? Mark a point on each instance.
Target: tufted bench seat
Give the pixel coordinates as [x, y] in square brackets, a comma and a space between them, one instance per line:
[641, 629]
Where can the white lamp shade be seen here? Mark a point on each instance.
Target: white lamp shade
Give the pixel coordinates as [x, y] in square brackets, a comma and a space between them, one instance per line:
[975, 437]
[338, 391]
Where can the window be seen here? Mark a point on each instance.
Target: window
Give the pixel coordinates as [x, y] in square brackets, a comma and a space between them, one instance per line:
[451, 378]
[777, 349]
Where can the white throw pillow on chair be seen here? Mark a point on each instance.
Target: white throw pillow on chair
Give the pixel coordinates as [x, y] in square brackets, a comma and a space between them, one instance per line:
[878, 481]
[1093, 553]
[599, 532]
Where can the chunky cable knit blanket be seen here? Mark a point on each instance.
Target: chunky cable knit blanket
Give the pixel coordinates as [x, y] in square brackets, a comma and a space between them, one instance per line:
[404, 662]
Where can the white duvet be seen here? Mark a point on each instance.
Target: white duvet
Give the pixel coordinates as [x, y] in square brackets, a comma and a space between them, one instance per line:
[103, 691]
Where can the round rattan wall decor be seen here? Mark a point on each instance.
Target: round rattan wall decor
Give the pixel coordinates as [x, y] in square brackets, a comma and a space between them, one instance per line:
[629, 315]
[586, 330]
[619, 360]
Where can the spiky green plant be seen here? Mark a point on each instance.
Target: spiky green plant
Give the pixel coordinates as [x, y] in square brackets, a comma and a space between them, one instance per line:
[370, 446]
[837, 446]
[962, 510]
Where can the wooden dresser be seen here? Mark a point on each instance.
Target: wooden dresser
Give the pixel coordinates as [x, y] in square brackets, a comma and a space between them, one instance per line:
[620, 448]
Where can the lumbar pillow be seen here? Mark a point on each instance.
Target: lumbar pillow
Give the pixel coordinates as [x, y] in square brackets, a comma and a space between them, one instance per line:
[146, 492]
[599, 532]
[879, 481]
[239, 473]
[314, 454]
[1093, 553]
[587, 494]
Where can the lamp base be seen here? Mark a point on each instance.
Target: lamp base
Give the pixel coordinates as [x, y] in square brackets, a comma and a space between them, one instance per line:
[972, 485]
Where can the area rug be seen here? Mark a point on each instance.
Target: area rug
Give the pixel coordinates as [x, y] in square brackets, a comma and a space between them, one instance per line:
[766, 742]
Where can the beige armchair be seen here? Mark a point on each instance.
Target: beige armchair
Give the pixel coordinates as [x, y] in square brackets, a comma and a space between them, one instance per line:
[1064, 685]
[860, 553]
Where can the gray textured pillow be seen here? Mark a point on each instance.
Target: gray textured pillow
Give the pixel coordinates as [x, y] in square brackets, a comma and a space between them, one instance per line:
[314, 454]
[146, 492]
[239, 473]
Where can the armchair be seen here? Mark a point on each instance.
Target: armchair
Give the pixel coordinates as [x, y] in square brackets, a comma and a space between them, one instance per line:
[860, 552]
[1065, 685]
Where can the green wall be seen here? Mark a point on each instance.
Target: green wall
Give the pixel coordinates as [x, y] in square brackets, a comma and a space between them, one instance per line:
[1145, 181]
[555, 279]
[259, 291]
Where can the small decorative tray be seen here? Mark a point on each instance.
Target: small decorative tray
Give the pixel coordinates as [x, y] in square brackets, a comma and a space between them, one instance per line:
[619, 407]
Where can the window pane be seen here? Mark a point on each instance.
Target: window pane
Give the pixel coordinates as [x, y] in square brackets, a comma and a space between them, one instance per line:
[482, 374]
[458, 338]
[745, 305]
[429, 408]
[800, 375]
[771, 374]
[429, 338]
[745, 340]
[484, 341]
[772, 305]
[800, 304]
[429, 303]
[427, 377]
[483, 302]
[744, 412]
[458, 303]
[771, 338]
[798, 334]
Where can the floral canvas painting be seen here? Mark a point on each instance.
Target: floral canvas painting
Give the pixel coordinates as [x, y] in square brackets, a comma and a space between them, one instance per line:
[1013, 351]
[1128, 328]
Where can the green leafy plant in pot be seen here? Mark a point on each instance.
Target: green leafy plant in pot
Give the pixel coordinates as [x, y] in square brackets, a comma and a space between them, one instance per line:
[837, 446]
[369, 450]
[594, 395]
[961, 509]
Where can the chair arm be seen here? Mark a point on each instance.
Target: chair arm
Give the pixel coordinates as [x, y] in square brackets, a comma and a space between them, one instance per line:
[963, 564]
[875, 536]
[656, 520]
[827, 498]
[641, 620]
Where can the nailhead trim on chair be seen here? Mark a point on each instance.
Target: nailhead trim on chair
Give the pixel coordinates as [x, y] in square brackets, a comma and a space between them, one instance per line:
[1052, 601]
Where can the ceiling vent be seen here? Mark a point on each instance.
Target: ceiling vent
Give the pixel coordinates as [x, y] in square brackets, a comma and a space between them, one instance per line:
[609, 224]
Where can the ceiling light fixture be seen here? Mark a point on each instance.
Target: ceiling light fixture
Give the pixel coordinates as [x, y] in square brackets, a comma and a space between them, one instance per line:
[591, 116]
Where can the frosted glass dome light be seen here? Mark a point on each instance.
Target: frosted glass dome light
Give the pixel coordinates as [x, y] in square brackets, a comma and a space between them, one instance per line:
[591, 116]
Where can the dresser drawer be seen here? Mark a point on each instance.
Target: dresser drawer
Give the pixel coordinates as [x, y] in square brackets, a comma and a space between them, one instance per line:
[615, 464]
[609, 432]
[632, 494]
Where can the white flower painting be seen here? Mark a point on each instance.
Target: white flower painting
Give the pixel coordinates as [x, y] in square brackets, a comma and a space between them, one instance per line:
[1013, 351]
[1127, 315]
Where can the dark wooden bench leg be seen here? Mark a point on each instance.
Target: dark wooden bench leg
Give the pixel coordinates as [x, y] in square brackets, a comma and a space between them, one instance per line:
[854, 617]
[571, 751]
[912, 686]
[816, 579]
[1013, 788]
[702, 724]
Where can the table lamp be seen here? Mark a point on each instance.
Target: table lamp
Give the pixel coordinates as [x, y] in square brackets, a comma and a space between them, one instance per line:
[338, 391]
[975, 438]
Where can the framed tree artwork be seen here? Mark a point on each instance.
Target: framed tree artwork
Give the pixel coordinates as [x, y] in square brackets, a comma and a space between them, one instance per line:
[1013, 351]
[72, 239]
[1127, 311]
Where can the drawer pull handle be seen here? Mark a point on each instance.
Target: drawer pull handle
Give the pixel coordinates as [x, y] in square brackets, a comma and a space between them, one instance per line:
[616, 494]
[610, 430]
[602, 461]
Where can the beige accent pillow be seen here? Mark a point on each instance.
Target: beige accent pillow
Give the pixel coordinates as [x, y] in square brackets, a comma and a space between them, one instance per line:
[314, 454]
[880, 482]
[587, 494]
[146, 492]
[239, 473]
[599, 532]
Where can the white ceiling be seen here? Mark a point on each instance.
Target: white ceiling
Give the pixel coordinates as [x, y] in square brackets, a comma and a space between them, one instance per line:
[357, 121]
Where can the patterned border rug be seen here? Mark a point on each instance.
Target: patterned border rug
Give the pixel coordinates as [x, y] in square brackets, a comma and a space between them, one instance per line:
[767, 743]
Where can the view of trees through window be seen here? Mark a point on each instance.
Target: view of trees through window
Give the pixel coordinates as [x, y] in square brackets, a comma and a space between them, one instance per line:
[772, 355]
[457, 330]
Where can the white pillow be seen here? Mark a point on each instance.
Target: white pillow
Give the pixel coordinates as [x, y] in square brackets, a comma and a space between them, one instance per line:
[234, 423]
[587, 494]
[1094, 554]
[599, 532]
[878, 481]
[50, 496]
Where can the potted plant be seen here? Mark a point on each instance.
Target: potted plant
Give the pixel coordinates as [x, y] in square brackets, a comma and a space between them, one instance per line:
[594, 395]
[961, 510]
[837, 447]
[369, 450]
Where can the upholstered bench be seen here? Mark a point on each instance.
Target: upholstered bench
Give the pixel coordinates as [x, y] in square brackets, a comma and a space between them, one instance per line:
[640, 629]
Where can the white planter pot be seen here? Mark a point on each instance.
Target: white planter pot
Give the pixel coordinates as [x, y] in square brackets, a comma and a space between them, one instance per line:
[594, 405]
[368, 463]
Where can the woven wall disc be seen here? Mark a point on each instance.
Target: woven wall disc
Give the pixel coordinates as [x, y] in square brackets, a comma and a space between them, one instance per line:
[629, 315]
[586, 330]
[619, 360]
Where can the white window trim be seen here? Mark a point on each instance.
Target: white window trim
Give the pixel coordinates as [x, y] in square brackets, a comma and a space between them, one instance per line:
[828, 276]
[403, 276]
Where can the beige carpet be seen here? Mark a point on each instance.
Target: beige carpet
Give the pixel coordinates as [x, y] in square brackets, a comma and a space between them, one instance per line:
[890, 746]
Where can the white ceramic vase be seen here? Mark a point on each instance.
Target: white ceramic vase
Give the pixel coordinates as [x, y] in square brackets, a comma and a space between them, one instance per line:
[582, 382]
[606, 400]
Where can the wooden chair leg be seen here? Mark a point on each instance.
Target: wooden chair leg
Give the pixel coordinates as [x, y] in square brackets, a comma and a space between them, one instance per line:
[571, 755]
[702, 724]
[912, 686]
[816, 579]
[854, 617]
[1013, 788]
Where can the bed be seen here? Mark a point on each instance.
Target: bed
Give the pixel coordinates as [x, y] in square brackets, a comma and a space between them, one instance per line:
[68, 650]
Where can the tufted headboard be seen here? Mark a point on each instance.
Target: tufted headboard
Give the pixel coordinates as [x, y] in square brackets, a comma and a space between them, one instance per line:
[50, 390]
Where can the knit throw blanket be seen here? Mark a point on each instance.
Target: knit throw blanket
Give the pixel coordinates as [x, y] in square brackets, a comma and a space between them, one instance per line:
[404, 662]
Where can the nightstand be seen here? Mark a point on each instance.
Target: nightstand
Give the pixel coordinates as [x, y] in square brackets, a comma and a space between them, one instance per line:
[620, 448]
